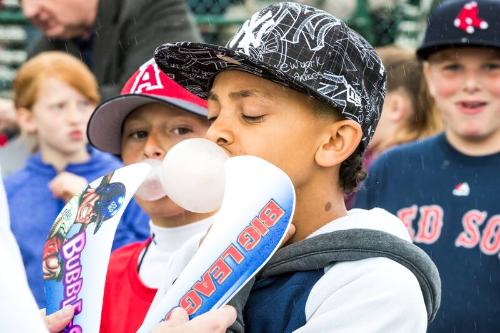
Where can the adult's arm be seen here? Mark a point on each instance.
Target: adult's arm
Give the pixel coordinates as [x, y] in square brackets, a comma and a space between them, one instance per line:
[142, 26]
[150, 23]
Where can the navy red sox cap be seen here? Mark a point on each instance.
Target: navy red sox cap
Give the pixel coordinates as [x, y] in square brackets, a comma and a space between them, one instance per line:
[297, 46]
[462, 23]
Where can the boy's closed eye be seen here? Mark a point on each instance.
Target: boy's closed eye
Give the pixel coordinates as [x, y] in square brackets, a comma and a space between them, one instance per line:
[245, 117]
[252, 119]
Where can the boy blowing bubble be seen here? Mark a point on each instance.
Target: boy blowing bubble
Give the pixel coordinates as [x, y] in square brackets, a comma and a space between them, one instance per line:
[298, 88]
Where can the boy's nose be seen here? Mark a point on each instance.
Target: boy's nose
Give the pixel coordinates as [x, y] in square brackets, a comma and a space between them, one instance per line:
[219, 133]
[153, 148]
[472, 84]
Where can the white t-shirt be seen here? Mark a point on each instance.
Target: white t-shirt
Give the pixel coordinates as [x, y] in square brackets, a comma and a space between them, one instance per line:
[167, 241]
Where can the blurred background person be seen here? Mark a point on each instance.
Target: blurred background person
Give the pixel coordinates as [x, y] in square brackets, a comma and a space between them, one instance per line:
[113, 37]
[408, 112]
[54, 95]
[445, 188]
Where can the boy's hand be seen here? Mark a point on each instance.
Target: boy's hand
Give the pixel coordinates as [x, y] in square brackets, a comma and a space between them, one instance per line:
[58, 320]
[65, 185]
[215, 321]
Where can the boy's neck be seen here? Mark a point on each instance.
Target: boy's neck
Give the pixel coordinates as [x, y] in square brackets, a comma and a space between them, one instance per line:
[60, 160]
[481, 147]
[317, 204]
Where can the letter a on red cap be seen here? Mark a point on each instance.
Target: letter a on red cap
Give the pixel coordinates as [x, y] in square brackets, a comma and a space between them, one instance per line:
[147, 78]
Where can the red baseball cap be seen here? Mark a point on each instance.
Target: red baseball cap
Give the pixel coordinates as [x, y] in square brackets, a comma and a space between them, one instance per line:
[148, 84]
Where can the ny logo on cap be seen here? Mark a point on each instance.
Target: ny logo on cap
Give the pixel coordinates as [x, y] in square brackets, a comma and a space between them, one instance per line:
[148, 78]
[249, 35]
[468, 18]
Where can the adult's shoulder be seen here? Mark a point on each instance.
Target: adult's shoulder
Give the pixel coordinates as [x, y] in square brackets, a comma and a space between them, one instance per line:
[172, 7]
[164, 21]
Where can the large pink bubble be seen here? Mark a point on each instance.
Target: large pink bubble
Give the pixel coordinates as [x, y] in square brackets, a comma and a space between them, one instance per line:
[193, 175]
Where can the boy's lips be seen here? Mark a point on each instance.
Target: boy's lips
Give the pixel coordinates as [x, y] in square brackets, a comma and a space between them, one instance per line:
[471, 107]
[76, 135]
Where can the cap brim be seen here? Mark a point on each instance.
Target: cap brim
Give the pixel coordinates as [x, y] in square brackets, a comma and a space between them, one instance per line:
[423, 53]
[105, 124]
[194, 66]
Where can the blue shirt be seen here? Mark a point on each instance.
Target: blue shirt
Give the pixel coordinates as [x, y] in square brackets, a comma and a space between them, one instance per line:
[450, 204]
[33, 209]
[277, 304]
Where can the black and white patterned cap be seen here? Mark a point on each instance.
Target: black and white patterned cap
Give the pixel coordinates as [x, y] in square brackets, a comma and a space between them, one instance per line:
[298, 46]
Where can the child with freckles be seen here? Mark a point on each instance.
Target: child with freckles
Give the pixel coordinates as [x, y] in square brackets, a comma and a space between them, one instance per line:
[54, 95]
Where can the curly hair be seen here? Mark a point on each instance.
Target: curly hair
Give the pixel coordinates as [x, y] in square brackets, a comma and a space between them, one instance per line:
[352, 171]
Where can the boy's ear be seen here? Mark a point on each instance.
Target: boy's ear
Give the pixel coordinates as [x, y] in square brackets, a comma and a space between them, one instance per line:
[26, 120]
[339, 141]
[398, 107]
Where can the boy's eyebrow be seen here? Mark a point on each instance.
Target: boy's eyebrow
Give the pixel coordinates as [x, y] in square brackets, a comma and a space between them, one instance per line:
[212, 96]
[239, 94]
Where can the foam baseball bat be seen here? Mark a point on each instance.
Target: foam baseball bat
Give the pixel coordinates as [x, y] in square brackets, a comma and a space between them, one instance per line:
[256, 211]
[76, 253]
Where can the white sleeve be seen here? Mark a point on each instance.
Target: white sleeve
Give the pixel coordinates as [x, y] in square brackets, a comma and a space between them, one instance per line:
[375, 295]
[18, 310]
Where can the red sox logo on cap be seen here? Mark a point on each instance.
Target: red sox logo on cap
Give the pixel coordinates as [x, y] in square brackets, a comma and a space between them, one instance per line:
[147, 79]
[468, 18]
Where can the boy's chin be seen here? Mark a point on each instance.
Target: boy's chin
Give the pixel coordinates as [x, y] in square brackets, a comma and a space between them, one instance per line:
[163, 207]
